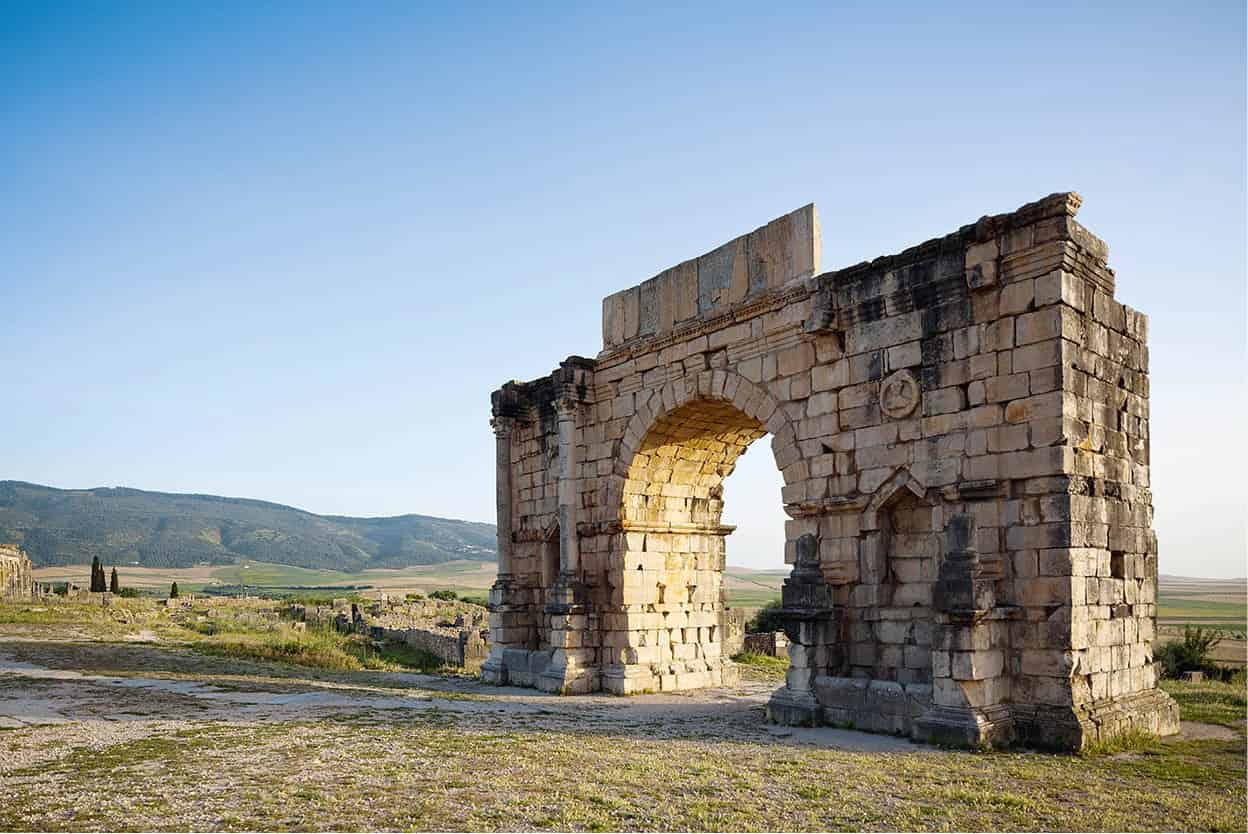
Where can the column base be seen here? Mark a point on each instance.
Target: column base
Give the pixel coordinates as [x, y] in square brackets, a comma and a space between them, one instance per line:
[1075, 728]
[633, 679]
[794, 709]
[570, 681]
[966, 726]
[493, 670]
[514, 666]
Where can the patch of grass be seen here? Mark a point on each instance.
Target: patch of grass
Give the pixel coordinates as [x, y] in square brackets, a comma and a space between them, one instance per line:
[317, 648]
[425, 774]
[81, 618]
[761, 666]
[1134, 741]
[407, 657]
[52, 613]
[1211, 702]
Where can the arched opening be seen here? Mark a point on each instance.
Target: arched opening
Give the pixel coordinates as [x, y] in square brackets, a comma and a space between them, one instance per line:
[754, 564]
[674, 554]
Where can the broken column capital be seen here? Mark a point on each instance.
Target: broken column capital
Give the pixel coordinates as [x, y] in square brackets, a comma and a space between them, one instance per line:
[503, 426]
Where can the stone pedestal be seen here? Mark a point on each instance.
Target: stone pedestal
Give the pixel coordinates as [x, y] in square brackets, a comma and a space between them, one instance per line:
[511, 631]
[573, 665]
[1065, 728]
[970, 682]
[810, 623]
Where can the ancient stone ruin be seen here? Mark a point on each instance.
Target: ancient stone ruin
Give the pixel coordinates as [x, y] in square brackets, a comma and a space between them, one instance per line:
[454, 632]
[16, 574]
[962, 430]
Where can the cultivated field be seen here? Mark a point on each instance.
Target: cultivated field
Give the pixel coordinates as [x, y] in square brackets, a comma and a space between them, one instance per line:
[122, 718]
[461, 576]
[1209, 603]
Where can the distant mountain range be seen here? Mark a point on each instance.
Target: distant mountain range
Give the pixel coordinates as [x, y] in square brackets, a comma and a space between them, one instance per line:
[158, 529]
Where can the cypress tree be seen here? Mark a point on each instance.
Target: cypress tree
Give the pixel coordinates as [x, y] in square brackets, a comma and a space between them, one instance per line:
[96, 575]
[113, 585]
[173, 591]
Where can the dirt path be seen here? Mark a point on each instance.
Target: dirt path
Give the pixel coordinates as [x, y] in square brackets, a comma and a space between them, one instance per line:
[100, 693]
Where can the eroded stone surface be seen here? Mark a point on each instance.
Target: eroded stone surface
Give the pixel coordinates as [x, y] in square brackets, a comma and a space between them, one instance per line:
[962, 429]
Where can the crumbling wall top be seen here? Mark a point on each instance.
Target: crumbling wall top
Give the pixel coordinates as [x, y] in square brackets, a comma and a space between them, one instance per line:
[783, 252]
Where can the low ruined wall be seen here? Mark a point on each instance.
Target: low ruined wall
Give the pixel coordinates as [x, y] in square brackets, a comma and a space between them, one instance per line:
[771, 643]
[465, 648]
[732, 629]
[450, 631]
[16, 573]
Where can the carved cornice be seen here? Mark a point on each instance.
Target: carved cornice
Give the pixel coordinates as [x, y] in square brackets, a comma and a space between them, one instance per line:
[676, 527]
[609, 528]
[827, 506]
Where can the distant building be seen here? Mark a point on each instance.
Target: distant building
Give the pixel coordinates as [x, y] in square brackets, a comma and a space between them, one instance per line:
[17, 579]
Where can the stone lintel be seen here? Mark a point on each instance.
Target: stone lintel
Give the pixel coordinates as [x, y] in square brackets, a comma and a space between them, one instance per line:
[782, 253]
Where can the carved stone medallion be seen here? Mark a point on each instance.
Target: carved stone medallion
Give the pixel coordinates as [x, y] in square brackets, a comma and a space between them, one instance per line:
[899, 394]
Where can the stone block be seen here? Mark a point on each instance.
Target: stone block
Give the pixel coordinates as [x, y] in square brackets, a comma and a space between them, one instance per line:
[798, 359]
[1017, 297]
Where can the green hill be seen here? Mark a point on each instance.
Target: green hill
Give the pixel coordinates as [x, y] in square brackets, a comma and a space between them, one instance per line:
[157, 529]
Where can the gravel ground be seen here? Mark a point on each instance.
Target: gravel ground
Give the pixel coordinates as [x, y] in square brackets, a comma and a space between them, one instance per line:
[140, 735]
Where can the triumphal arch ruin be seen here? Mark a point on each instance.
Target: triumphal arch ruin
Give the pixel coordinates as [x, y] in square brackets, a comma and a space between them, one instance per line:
[962, 430]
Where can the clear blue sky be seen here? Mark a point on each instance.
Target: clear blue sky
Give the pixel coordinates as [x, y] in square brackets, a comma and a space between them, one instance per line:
[286, 251]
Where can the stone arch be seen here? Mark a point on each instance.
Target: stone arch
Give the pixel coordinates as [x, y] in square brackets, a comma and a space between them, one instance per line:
[667, 566]
[723, 393]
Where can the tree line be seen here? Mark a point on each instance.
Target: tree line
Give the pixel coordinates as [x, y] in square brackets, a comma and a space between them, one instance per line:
[103, 581]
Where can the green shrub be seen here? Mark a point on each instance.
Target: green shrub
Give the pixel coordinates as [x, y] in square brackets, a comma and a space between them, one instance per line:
[484, 602]
[129, 593]
[766, 619]
[1190, 655]
[444, 595]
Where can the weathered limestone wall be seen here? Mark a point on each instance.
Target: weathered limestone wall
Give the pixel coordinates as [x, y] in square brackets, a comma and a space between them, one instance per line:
[732, 631]
[16, 573]
[452, 631]
[465, 648]
[772, 643]
[962, 433]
